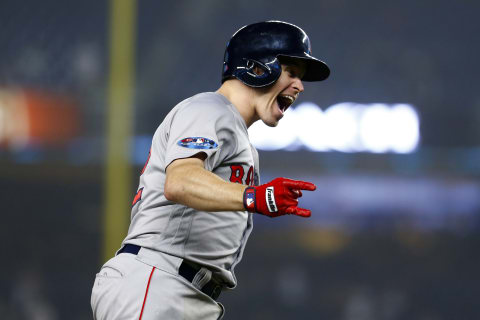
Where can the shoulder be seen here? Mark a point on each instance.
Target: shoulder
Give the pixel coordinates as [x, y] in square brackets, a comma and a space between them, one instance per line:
[206, 103]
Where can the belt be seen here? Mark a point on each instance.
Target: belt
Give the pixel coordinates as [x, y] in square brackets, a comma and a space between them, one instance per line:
[186, 270]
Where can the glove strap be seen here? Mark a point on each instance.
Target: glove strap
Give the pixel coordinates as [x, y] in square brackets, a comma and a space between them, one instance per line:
[249, 199]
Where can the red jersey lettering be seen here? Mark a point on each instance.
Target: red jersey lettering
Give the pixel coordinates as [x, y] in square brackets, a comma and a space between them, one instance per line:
[237, 174]
[249, 181]
[138, 197]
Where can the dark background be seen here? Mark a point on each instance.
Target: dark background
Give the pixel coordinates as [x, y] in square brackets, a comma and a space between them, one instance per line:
[391, 237]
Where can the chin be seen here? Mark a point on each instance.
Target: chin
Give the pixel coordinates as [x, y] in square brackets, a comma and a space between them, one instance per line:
[271, 123]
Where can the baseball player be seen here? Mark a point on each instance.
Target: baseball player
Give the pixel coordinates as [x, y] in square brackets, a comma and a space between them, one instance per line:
[192, 213]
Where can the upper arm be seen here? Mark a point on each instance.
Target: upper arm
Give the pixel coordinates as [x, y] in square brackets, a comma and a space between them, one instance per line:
[178, 170]
[195, 160]
[200, 127]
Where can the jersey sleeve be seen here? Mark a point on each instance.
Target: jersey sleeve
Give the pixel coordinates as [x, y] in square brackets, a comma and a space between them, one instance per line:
[200, 126]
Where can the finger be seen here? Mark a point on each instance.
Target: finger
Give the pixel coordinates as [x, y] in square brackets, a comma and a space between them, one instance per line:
[294, 193]
[303, 212]
[288, 207]
[290, 210]
[298, 184]
[290, 203]
[298, 193]
[299, 212]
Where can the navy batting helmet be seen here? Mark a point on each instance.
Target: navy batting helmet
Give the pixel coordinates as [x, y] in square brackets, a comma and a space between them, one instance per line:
[262, 45]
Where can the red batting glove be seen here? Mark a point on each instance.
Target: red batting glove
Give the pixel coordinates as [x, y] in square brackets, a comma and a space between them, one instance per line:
[278, 197]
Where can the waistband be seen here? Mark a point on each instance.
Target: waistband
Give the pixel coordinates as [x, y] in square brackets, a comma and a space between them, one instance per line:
[200, 277]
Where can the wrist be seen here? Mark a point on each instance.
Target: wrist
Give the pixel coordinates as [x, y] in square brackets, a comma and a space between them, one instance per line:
[249, 199]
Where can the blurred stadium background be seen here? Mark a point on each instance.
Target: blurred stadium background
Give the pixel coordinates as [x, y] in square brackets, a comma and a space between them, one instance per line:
[395, 232]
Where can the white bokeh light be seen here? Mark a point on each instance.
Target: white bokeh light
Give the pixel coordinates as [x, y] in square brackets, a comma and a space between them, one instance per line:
[312, 131]
[345, 127]
[405, 128]
[341, 127]
[375, 128]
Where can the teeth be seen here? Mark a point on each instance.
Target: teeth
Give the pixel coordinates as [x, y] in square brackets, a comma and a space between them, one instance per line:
[284, 105]
[291, 98]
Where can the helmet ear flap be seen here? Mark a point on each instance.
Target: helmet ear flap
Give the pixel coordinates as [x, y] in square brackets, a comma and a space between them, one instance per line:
[255, 73]
[256, 68]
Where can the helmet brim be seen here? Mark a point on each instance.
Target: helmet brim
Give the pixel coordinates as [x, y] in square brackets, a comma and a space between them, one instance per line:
[316, 70]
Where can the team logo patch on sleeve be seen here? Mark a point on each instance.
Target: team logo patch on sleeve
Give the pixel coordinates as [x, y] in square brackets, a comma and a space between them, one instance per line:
[197, 143]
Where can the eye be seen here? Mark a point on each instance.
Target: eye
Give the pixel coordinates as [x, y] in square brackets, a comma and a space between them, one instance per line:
[293, 72]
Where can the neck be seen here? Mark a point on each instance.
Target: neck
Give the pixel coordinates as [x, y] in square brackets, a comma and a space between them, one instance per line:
[242, 97]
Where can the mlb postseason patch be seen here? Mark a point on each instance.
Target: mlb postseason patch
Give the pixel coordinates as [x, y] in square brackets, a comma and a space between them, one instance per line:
[197, 143]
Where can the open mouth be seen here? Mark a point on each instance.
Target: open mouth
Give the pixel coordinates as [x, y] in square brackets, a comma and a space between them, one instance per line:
[285, 101]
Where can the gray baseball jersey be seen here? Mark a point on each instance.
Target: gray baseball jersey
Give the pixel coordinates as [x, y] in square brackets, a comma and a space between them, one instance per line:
[209, 123]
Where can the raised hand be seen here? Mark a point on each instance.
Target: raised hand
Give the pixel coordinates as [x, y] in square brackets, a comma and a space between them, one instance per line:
[277, 198]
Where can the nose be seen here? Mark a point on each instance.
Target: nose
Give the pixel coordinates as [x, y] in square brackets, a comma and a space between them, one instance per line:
[298, 85]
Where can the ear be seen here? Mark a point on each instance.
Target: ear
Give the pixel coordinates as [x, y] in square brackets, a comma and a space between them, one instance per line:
[258, 71]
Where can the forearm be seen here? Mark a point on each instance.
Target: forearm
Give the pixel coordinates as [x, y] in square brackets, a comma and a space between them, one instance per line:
[190, 184]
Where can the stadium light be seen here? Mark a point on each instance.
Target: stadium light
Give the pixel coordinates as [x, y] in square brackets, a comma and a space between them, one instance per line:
[341, 127]
[345, 127]
[313, 131]
[406, 128]
[375, 133]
